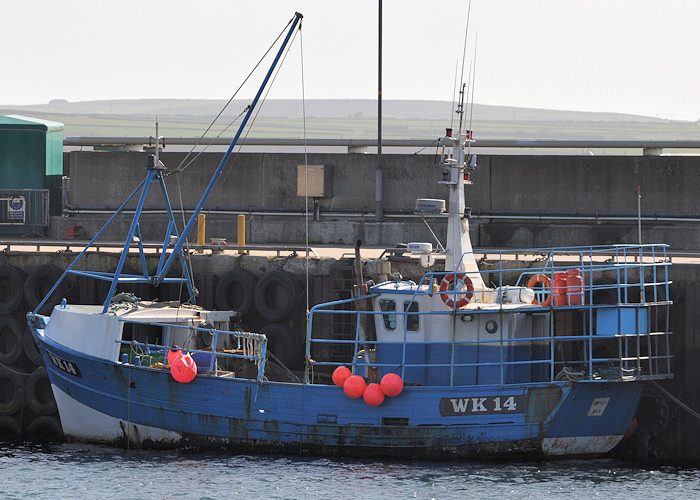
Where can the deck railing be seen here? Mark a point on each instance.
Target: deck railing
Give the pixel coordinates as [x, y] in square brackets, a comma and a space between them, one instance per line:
[616, 327]
[238, 350]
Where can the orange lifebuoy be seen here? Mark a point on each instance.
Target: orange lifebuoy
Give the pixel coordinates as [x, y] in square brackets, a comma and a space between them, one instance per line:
[544, 279]
[448, 296]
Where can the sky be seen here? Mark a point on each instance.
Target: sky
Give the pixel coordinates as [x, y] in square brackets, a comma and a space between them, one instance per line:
[625, 56]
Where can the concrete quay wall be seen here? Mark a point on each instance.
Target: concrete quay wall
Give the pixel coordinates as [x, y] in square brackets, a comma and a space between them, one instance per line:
[516, 201]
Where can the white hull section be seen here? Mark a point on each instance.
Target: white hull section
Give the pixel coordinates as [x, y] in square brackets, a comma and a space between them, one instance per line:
[86, 424]
[580, 445]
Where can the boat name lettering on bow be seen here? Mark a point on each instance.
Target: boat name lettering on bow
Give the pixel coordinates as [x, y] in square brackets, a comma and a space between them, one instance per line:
[483, 405]
[62, 364]
[598, 407]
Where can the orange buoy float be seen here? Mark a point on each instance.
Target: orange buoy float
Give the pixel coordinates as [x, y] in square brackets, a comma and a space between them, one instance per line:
[449, 290]
[354, 386]
[183, 369]
[391, 384]
[544, 279]
[340, 375]
[373, 395]
[173, 354]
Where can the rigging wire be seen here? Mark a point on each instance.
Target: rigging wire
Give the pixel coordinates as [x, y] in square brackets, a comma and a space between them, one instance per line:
[306, 208]
[250, 74]
[259, 108]
[306, 176]
[427, 146]
[180, 167]
[306, 181]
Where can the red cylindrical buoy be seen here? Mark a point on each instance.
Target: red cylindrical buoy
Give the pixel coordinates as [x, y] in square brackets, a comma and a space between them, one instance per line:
[340, 375]
[391, 384]
[354, 386]
[574, 287]
[559, 290]
[184, 369]
[373, 395]
[173, 354]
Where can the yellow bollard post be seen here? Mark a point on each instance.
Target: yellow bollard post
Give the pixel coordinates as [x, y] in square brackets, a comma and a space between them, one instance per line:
[241, 233]
[201, 230]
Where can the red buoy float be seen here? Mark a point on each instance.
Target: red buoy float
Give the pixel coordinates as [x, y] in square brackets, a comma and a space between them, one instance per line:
[184, 369]
[340, 375]
[391, 384]
[354, 386]
[373, 395]
[173, 354]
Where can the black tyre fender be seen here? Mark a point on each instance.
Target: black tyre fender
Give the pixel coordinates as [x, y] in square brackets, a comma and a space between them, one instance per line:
[40, 281]
[282, 342]
[11, 392]
[235, 290]
[10, 340]
[9, 425]
[45, 427]
[11, 288]
[38, 393]
[277, 295]
[31, 350]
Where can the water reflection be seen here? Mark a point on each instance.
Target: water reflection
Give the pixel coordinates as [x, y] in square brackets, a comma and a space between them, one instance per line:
[71, 470]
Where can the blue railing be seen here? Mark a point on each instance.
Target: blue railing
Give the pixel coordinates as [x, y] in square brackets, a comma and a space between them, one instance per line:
[234, 348]
[615, 327]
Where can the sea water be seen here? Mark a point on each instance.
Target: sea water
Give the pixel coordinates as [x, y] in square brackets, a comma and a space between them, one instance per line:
[86, 471]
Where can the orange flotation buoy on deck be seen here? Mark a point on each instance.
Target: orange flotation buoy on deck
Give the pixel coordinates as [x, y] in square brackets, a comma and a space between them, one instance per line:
[373, 395]
[184, 369]
[391, 384]
[340, 375]
[354, 386]
[544, 279]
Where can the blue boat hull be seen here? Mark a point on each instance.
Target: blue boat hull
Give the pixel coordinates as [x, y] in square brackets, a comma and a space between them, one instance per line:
[116, 403]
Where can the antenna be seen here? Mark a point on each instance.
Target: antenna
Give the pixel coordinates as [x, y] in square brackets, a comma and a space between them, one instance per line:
[466, 32]
[639, 212]
[460, 107]
[471, 105]
[454, 94]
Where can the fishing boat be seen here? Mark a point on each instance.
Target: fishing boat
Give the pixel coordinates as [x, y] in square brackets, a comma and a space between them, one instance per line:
[537, 352]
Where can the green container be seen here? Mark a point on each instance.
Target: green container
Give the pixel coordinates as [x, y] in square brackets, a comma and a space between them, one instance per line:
[30, 150]
[31, 158]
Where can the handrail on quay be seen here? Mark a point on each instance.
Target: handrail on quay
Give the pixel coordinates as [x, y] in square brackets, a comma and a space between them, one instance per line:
[649, 147]
[397, 252]
[156, 248]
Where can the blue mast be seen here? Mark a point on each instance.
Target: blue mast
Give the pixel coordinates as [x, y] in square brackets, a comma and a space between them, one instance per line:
[219, 169]
[156, 175]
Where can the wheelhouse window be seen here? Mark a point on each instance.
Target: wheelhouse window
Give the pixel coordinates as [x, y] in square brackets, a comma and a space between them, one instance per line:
[388, 307]
[389, 316]
[412, 320]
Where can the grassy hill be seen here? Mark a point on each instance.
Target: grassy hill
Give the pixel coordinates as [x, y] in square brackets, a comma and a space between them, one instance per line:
[346, 119]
